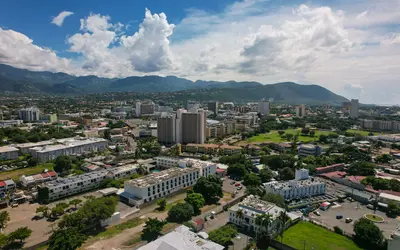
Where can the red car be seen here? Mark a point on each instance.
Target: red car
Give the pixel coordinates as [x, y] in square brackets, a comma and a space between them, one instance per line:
[237, 184]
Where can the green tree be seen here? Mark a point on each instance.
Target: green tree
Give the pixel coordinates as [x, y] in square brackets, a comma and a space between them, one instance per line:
[286, 174]
[265, 175]
[204, 158]
[196, 200]
[57, 211]
[281, 132]
[210, 188]
[75, 202]
[223, 235]
[180, 213]
[274, 162]
[237, 170]
[251, 179]
[43, 195]
[66, 239]
[393, 209]
[274, 198]
[289, 137]
[367, 234]
[4, 219]
[162, 204]
[63, 164]
[384, 158]
[107, 134]
[305, 131]
[43, 210]
[362, 168]
[20, 234]
[263, 241]
[338, 230]
[152, 229]
[33, 162]
[3, 240]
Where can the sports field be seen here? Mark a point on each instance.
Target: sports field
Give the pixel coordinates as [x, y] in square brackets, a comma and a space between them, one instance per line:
[305, 235]
[274, 136]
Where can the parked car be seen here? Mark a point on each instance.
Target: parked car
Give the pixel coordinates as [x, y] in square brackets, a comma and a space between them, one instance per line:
[370, 206]
[348, 220]
[339, 216]
[239, 188]
[237, 184]
[317, 213]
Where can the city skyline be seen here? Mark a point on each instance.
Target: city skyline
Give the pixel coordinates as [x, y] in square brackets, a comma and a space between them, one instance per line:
[351, 49]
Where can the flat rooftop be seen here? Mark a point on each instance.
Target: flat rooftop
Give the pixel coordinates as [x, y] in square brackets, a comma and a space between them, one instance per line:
[6, 149]
[292, 183]
[159, 177]
[68, 144]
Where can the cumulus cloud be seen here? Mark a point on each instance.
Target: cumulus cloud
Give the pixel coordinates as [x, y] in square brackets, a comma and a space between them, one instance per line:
[59, 19]
[18, 50]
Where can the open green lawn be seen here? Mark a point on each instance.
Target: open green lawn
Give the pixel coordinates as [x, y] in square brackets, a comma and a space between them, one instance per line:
[316, 237]
[274, 136]
[15, 174]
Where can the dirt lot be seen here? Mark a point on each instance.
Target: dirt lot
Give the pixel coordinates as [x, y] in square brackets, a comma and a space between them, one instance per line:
[22, 216]
[354, 211]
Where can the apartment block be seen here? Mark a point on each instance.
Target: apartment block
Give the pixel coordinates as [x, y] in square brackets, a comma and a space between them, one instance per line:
[8, 153]
[70, 146]
[381, 125]
[159, 184]
[213, 106]
[300, 111]
[29, 114]
[63, 187]
[166, 130]
[206, 167]
[230, 150]
[354, 108]
[305, 150]
[10, 123]
[264, 107]
[251, 207]
[194, 127]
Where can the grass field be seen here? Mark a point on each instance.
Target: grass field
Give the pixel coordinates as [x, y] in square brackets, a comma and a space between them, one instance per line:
[15, 174]
[305, 235]
[117, 229]
[169, 206]
[274, 136]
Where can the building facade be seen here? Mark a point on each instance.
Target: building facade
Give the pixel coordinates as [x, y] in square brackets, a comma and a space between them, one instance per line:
[305, 150]
[166, 130]
[10, 123]
[29, 114]
[7, 187]
[264, 107]
[32, 180]
[213, 106]
[300, 111]
[354, 108]
[8, 153]
[194, 127]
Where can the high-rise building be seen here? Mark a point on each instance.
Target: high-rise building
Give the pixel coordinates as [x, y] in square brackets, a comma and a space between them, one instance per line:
[263, 107]
[192, 106]
[354, 108]
[144, 108]
[213, 106]
[29, 114]
[166, 130]
[300, 111]
[194, 127]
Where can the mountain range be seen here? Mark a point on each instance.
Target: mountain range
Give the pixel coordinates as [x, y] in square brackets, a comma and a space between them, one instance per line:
[16, 80]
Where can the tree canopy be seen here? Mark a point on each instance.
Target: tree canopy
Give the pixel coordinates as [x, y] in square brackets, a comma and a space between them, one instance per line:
[4, 219]
[196, 200]
[362, 168]
[210, 187]
[286, 174]
[20, 234]
[368, 234]
[274, 162]
[265, 175]
[162, 204]
[251, 179]
[274, 198]
[223, 235]
[180, 213]
[63, 164]
[237, 170]
[66, 239]
[152, 229]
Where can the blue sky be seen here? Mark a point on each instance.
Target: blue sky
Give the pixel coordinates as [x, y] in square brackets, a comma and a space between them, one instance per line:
[349, 47]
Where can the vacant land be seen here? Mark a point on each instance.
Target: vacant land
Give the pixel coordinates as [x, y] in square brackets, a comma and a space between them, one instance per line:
[274, 136]
[305, 235]
[15, 174]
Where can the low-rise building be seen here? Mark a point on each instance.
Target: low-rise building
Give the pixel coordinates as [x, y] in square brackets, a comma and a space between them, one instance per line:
[158, 184]
[206, 167]
[245, 213]
[70, 146]
[10, 123]
[332, 168]
[166, 162]
[309, 149]
[386, 198]
[63, 187]
[7, 187]
[32, 180]
[230, 150]
[25, 147]
[181, 239]
[8, 153]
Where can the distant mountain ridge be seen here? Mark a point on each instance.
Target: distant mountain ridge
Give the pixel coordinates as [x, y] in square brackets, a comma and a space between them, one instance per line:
[25, 81]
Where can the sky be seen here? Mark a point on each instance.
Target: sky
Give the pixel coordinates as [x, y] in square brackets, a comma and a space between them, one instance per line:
[350, 47]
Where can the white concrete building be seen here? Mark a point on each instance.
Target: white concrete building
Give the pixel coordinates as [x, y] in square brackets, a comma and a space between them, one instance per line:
[29, 114]
[300, 111]
[159, 184]
[181, 239]
[24, 147]
[10, 123]
[8, 153]
[301, 174]
[63, 187]
[32, 180]
[296, 188]
[69, 146]
[263, 107]
[250, 208]
[309, 149]
[206, 167]
[7, 186]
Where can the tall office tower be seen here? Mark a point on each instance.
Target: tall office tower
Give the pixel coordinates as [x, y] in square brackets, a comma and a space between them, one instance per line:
[29, 114]
[194, 127]
[263, 107]
[178, 125]
[300, 111]
[213, 106]
[354, 108]
[166, 129]
[192, 106]
[144, 108]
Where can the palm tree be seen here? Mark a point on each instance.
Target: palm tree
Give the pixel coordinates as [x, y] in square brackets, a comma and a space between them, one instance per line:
[282, 219]
[239, 214]
[263, 222]
[142, 170]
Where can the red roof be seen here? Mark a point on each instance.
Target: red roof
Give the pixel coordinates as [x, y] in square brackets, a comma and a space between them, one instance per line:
[337, 174]
[2, 183]
[220, 170]
[332, 166]
[52, 173]
[356, 179]
[45, 175]
[199, 221]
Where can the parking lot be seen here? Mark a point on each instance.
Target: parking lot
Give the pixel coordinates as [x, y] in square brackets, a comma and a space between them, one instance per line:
[231, 188]
[355, 211]
[313, 200]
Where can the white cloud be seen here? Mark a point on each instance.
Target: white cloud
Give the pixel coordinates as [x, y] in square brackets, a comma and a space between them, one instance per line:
[59, 20]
